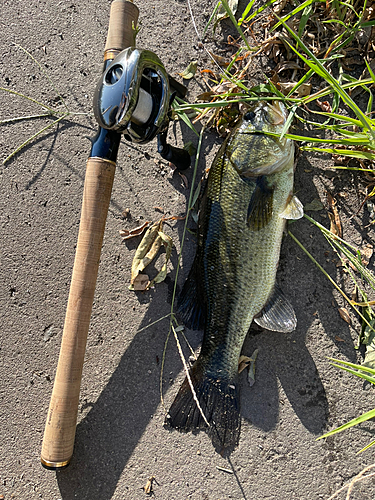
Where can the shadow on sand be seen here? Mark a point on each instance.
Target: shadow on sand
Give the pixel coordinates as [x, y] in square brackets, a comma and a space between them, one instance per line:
[108, 435]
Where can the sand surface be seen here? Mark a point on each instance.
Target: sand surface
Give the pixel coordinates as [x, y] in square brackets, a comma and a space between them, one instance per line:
[120, 439]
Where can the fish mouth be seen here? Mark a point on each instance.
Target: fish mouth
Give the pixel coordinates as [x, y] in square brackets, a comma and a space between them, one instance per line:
[265, 116]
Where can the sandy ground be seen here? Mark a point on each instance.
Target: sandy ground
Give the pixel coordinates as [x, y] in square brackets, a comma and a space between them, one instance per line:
[120, 440]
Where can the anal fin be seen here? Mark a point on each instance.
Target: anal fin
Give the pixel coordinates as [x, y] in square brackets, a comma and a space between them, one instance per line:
[278, 314]
[189, 304]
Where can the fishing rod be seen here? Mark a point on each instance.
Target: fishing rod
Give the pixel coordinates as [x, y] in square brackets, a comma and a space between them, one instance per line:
[133, 99]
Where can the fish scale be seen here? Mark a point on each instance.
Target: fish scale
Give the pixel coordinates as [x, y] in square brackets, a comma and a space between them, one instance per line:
[248, 196]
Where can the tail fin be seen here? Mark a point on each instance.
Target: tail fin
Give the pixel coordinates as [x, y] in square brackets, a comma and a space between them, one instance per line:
[220, 404]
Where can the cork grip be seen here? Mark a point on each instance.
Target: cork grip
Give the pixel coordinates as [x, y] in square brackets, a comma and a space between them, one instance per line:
[59, 434]
[123, 18]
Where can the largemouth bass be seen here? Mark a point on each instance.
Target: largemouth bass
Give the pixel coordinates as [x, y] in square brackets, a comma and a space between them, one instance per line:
[248, 197]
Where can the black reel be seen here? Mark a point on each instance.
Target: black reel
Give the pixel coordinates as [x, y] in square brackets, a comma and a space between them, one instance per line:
[134, 98]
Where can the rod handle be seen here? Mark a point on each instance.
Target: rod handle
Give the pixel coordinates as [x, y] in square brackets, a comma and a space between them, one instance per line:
[59, 434]
[121, 32]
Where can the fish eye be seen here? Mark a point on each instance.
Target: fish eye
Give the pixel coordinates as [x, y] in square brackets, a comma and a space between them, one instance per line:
[250, 115]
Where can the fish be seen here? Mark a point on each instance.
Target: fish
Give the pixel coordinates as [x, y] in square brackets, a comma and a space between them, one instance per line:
[247, 199]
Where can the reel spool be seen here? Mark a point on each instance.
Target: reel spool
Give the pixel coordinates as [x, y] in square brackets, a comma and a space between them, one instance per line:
[134, 98]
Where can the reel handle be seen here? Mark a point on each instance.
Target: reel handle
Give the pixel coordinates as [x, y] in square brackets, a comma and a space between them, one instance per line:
[179, 157]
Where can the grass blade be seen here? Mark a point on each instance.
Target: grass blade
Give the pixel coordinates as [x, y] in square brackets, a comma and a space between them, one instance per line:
[43, 71]
[353, 365]
[363, 418]
[212, 17]
[366, 447]
[236, 25]
[363, 155]
[52, 111]
[298, 9]
[320, 70]
[258, 11]
[329, 278]
[30, 139]
[246, 11]
[357, 374]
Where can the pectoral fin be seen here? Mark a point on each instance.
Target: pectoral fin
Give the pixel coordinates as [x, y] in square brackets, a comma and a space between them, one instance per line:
[278, 314]
[261, 204]
[293, 209]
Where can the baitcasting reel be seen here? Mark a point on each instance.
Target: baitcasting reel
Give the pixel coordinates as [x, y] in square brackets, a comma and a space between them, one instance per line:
[134, 98]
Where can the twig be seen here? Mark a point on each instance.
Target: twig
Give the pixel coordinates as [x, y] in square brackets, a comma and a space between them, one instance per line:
[356, 479]
[188, 376]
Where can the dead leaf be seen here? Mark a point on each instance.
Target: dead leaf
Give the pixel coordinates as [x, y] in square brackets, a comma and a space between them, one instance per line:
[283, 65]
[141, 282]
[127, 234]
[251, 374]
[278, 6]
[339, 339]
[222, 61]
[345, 315]
[146, 252]
[205, 96]
[190, 71]
[224, 87]
[366, 253]
[249, 363]
[184, 180]
[334, 217]
[243, 363]
[302, 91]
[175, 217]
[314, 206]
[209, 71]
[222, 13]
[148, 488]
[324, 106]
[333, 227]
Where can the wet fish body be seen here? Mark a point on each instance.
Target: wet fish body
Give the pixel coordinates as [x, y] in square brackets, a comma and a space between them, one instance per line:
[248, 197]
